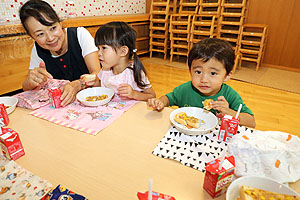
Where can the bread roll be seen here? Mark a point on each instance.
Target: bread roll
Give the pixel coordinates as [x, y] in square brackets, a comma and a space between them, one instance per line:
[181, 118]
[89, 77]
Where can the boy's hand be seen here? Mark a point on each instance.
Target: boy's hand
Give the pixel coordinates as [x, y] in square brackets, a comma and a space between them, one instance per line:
[221, 105]
[156, 104]
[125, 90]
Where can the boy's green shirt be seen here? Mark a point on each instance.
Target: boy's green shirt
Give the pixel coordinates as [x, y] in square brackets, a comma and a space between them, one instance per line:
[186, 95]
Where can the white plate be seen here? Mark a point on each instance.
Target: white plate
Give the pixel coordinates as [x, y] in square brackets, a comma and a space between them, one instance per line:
[95, 91]
[9, 101]
[233, 191]
[210, 120]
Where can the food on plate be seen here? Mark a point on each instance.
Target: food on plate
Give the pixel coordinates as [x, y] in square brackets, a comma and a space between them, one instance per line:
[188, 121]
[251, 193]
[181, 118]
[89, 77]
[207, 104]
[193, 122]
[96, 98]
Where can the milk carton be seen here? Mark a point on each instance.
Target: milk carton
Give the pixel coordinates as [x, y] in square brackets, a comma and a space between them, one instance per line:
[229, 128]
[216, 181]
[4, 120]
[55, 94]
[10, 144]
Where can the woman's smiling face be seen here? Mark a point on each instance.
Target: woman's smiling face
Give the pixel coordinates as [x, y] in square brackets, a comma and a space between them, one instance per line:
[48, 37]
[208, 76]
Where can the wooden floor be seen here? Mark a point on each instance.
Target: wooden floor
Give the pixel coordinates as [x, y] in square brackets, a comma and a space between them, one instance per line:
[274, 110]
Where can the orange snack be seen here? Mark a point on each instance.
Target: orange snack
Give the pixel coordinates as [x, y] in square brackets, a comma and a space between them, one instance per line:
[289, 138]
[277, 163]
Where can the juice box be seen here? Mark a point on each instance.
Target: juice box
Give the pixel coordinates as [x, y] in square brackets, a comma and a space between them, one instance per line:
[155, 196]
[216, 181]
[10, 144]
[4, 120]
[55, 94]
[229, 128]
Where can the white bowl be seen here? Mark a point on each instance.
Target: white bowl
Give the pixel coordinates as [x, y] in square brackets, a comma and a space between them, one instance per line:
[95, 91]
[210, 120]
[233, 191]
[9, 101]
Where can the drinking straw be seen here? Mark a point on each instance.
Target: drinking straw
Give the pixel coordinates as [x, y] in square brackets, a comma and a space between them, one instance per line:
[150, 190]
[238, 112]
[222, 159]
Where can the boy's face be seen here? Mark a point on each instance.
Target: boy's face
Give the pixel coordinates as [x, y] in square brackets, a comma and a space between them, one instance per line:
[208, 76]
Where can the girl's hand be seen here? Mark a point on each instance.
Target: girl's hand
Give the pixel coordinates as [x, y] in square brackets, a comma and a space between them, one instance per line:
[125, 90]
[69, 92]
[156, 104]
[88, 79]
[221, 105]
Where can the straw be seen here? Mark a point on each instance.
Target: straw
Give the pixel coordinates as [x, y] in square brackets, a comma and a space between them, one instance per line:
[238, 112]
[222, 159]
[150, 190]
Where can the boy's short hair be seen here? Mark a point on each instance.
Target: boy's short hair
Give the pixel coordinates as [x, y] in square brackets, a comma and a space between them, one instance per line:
[213, 48]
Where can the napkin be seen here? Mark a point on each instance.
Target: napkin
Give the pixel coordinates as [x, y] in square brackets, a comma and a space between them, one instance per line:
[33, 99]
[193, 151]
[269, 154]
[18, 183]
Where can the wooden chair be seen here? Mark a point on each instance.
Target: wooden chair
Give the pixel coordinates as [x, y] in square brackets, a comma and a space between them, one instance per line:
[188, 6]
[209, 7]
[179, 34]
[203, 26]
[252, 43]
[159, 21]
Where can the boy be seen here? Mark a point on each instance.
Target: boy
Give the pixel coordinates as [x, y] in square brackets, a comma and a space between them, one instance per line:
[210, 64]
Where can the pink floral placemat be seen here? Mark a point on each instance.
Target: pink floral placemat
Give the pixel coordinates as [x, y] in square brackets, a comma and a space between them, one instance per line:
[90, 120]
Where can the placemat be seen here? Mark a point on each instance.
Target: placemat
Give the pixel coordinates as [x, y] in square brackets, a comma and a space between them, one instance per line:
[18, 183]
[193, 151]
[90, 120]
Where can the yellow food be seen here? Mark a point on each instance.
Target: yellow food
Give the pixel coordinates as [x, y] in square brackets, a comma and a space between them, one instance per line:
[207, 104]
[188, 121]
[96, 98]
[251, 193]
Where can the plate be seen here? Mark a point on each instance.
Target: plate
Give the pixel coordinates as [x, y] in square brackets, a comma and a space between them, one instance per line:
[233, 191]
[9, 101]
[210, 120]
[95, 91]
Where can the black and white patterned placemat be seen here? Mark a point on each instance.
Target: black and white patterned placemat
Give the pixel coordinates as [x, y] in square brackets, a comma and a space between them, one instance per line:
[192, 151]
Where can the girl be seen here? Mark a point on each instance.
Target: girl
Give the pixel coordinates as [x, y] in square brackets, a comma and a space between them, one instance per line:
[121, 70]
[57, 53]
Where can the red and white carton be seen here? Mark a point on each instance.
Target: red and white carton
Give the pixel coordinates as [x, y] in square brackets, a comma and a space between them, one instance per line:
[55, 94]
[10, 144]
[216, 181]
[229, 128]
[4, 119]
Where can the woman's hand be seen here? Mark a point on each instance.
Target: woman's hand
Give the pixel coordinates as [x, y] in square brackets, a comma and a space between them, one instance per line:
[69, 92]
[36, 78]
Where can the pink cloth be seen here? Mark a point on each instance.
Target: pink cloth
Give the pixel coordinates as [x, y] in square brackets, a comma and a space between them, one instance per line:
[112, 81]
[90, 120]
[33, 99]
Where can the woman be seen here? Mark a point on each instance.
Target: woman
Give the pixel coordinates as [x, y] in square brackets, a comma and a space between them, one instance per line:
[57, 53]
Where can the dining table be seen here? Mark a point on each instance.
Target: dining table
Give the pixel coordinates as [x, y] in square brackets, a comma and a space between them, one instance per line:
[115, 164]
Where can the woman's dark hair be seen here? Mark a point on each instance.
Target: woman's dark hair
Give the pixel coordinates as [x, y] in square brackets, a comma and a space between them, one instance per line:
[116, 35]
[40, 10]
[213, 48]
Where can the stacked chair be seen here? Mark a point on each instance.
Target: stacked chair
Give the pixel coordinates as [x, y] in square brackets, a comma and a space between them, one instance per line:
[203, 26]
[252, 43]
[209, 7]
[188, 7]
[232, 16]
[186, 22]
[159, 20]
[180, 26]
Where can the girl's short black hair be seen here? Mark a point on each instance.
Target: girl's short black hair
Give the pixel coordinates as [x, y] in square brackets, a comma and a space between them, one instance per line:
[118, 34]
[40, 10]
[213, 48]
